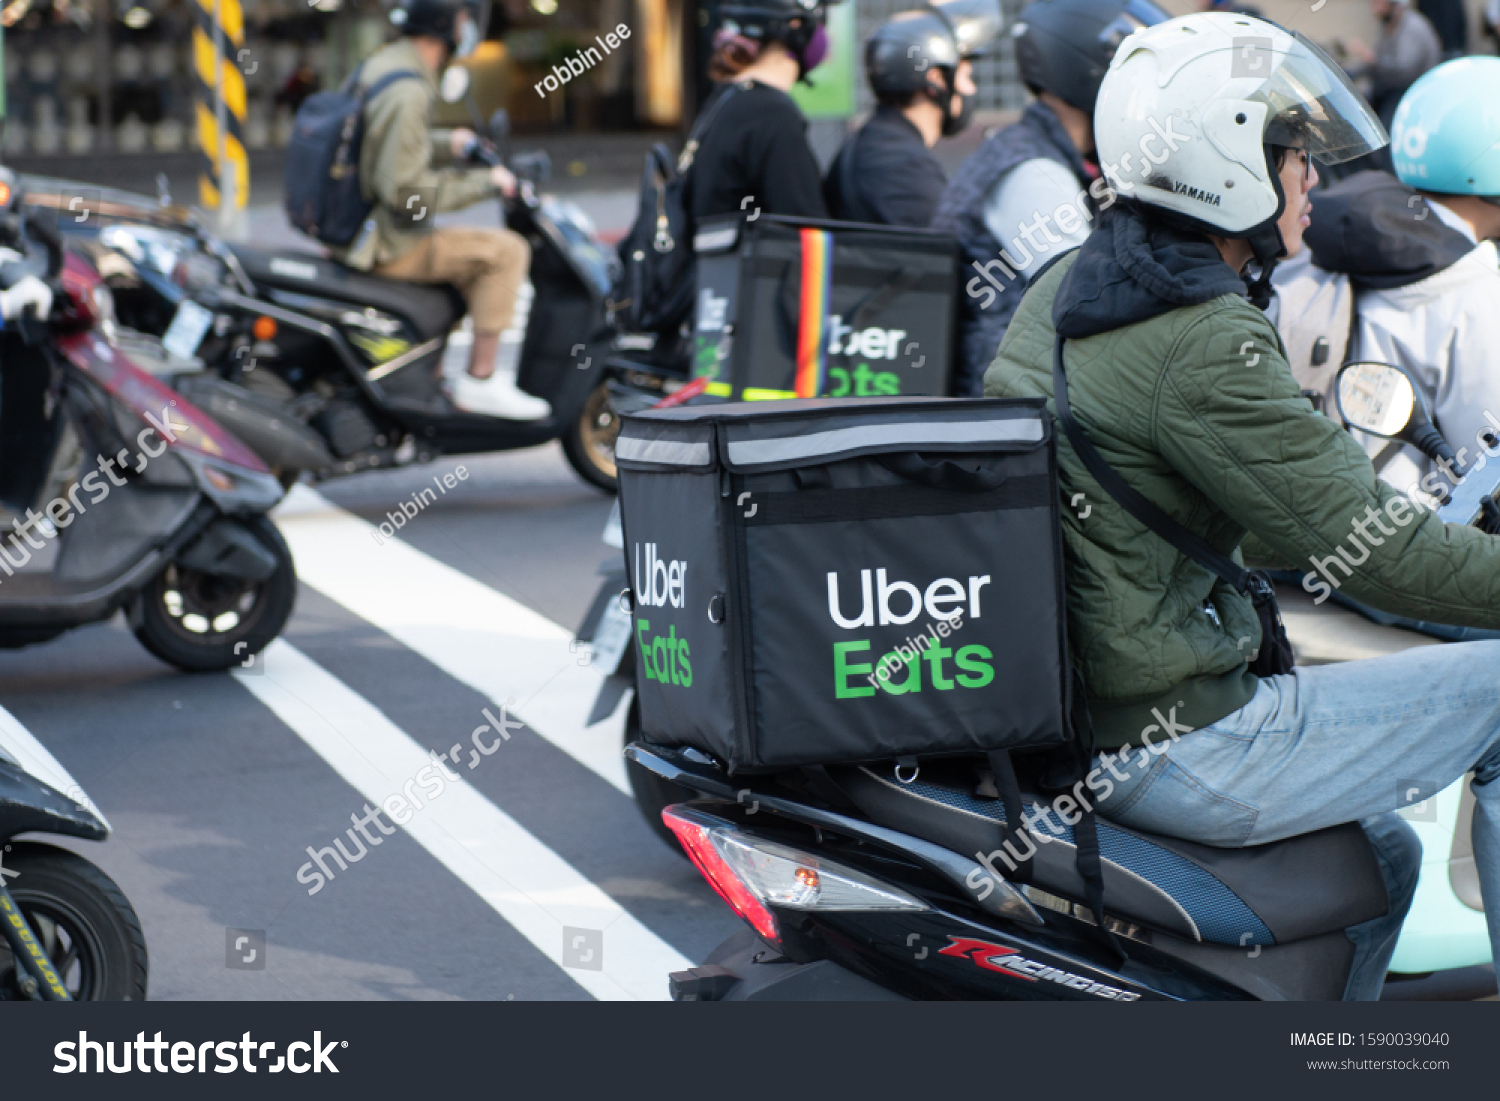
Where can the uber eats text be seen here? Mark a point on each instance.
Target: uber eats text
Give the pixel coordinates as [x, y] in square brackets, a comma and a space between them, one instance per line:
[924, 660]
[660, 584]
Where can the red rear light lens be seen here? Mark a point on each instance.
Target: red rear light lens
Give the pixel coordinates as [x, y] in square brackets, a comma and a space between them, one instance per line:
[721, 877]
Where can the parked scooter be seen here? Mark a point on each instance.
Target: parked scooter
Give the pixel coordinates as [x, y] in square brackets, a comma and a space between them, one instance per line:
[70, 934]
[119, 493]
[882, 882]
[324, 369]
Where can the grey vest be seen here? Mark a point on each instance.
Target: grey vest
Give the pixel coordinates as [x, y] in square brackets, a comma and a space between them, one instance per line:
[983, 317]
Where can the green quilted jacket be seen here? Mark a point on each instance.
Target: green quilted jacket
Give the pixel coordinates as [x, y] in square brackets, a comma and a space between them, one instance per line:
[1183, 386]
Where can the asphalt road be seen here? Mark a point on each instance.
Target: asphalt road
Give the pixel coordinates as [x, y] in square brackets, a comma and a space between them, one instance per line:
[531, 877]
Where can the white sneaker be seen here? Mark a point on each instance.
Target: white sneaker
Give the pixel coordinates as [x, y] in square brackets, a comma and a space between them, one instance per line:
[497, 396]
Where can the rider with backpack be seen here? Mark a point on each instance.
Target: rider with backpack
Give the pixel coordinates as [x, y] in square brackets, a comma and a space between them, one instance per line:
[920, 69]
[398, 87]
[1031, 190]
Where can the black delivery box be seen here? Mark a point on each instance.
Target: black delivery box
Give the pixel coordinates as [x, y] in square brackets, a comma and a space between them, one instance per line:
[879, 306]
[825, 581]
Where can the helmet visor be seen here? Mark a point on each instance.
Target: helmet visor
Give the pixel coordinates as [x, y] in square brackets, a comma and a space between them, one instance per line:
[975, 23]
[1312, 105]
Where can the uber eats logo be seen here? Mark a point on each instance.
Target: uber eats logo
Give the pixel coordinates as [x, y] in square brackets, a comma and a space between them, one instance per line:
[661, 584]
[926, 660]
[872, 343]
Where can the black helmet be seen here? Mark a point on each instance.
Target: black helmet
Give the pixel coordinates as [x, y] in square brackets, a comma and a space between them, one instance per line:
[901, 51]
[436, 18]
[763, 21]
[1065, 46]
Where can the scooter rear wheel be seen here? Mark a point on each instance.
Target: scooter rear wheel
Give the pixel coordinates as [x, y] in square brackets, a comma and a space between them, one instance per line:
[203, 623]
[84, 921]
[589, 442]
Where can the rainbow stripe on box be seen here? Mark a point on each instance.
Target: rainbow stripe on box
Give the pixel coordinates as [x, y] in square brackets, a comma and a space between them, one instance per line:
[812, 317]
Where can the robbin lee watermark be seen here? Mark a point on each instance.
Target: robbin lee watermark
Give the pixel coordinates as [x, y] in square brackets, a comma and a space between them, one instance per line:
[395, 521]
[584, 60]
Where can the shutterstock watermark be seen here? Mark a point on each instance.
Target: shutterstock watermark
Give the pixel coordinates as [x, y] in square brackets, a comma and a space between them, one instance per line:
[1073, 214]
[64, 509]
[1320, 581]
[431, 780]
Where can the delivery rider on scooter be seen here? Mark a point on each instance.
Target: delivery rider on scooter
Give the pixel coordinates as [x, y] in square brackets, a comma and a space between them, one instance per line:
[396, 171]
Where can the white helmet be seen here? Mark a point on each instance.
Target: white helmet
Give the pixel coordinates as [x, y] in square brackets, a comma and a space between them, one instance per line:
[1189, 106]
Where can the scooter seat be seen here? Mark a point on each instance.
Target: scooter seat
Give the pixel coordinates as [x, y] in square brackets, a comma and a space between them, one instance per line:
[1263, 894]
[432, 308]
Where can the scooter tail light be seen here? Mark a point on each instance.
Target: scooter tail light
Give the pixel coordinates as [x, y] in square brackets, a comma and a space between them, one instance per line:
[697, 840]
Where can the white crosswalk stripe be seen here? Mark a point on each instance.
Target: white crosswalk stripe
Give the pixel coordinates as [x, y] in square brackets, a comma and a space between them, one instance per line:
[478, 636]
[526, 883]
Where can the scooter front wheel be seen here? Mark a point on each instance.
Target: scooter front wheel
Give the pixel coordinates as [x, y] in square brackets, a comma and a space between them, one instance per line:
[84, 922]
[203, 622]
[589, 442]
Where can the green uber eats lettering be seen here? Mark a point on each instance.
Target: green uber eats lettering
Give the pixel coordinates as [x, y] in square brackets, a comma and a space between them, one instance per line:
[665, 657]
[972, 670]
[865, 382]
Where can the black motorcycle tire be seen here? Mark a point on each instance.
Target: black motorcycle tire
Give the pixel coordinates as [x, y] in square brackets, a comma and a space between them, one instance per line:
[652, 793]
[84, 921]
[167, 637]
[588, 441]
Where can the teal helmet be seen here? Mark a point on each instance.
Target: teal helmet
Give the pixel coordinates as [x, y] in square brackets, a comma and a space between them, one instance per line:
[1445, 137]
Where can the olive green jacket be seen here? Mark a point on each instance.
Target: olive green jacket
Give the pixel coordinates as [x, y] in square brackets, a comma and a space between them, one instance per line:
[396, 160]
[1198, 410]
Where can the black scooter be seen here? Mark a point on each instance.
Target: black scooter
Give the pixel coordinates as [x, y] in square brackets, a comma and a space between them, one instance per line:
[69, 932]
[115, 492]
[880, 882]
[321, 368]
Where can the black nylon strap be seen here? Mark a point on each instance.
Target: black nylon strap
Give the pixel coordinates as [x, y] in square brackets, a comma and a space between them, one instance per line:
[1010, 798]
[1131, 501]
[1091, 869]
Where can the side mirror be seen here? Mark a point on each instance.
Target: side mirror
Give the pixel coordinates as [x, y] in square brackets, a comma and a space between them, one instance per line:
[455, 83]
[1377, 398]
[1382, 400]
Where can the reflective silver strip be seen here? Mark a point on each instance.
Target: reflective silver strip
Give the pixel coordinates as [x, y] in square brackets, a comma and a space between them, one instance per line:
[711, 240]
[924, 434]
[666, 452]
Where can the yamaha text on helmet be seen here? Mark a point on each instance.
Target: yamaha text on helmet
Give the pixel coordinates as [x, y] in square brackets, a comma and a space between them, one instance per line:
[1065, 46]
[797, 25]
[1193, 113]
[440, 19]
[1445, 137]
[904, 52]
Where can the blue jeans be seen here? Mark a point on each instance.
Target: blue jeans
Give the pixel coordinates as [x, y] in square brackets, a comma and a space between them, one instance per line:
[1330, 744]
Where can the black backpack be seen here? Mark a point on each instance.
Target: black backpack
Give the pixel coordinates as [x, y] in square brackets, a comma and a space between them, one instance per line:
[654, 291]
[322, 192]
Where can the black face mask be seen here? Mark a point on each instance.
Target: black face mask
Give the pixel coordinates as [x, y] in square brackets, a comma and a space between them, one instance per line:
[952, 123]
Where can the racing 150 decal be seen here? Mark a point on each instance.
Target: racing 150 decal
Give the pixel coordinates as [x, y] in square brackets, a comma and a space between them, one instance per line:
[1009, 961]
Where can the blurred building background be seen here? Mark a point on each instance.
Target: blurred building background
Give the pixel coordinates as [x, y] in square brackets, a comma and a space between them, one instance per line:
[102, 90]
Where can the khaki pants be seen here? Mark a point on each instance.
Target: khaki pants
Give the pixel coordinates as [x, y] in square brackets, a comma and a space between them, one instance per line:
[487, 266]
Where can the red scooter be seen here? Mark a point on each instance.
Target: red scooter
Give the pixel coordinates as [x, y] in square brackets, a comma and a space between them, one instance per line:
[115, 492]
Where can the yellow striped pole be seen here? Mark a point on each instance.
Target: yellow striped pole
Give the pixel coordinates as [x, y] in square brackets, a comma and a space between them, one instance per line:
[218, 34]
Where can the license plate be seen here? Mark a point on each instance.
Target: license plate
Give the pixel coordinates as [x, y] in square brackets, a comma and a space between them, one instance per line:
[611, 637]
[189, 327]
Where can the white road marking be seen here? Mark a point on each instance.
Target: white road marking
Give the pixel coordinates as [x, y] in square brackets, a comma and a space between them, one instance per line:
[527, 884]
[497, 646]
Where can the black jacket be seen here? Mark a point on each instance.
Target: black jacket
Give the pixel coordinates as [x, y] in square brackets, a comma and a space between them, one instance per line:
[755, 156]
[885, 174]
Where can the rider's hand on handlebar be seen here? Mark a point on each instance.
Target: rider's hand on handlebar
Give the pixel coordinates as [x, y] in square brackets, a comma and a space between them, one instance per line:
[501, 177]
[461, 142]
